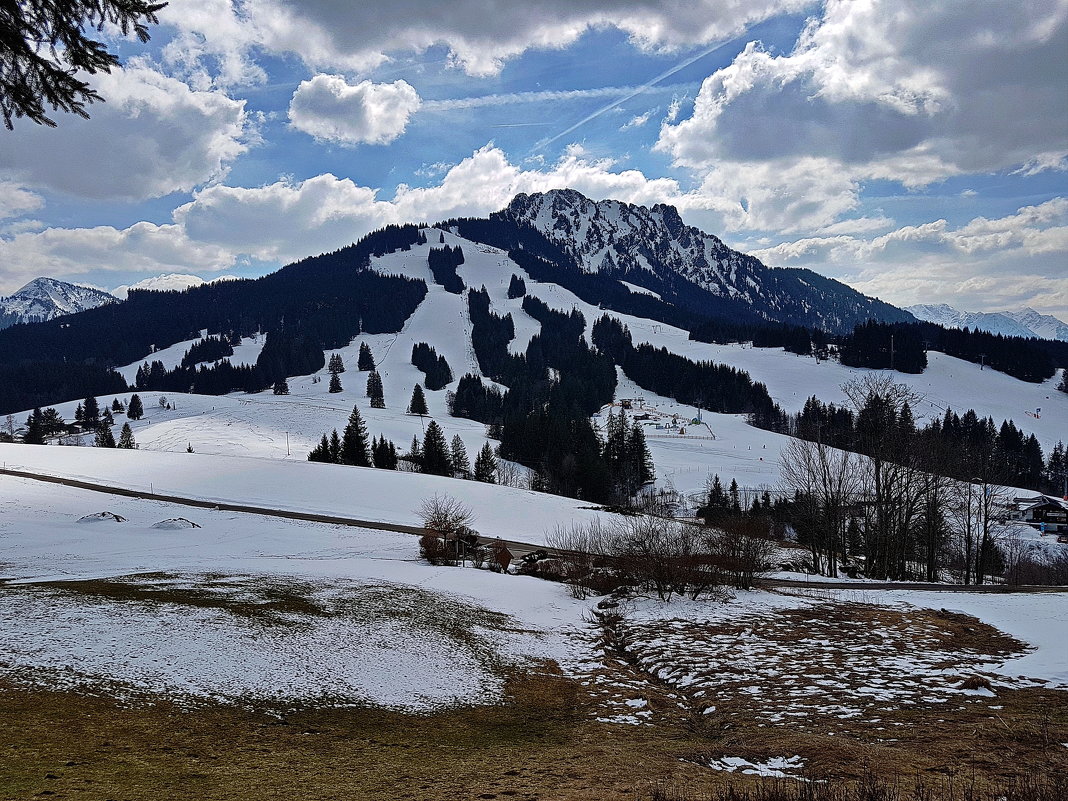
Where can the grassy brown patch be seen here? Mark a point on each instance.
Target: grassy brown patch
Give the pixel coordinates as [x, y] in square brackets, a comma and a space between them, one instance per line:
[263, 600]
[540, 743]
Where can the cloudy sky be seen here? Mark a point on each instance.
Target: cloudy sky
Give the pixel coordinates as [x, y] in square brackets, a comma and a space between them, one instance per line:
[916, 150]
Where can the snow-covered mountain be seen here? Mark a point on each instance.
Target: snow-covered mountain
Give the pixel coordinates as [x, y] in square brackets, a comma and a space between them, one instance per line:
[47, 298]
[1023, 323]
[1045, 326]
[653, 247]
[171, 282]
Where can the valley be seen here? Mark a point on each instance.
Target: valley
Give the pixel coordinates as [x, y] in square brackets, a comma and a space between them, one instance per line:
[209, 650]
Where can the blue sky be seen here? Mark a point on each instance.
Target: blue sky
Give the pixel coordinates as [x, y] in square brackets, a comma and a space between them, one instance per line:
[914, 150]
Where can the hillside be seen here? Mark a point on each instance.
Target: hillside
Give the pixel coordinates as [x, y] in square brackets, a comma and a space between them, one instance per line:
[304, 637]
[263, 424]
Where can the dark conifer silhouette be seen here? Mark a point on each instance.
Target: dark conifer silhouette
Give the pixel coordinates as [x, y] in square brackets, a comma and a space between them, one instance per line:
[366, 360]
[136, 410]
[486, 465]
[417, 405]
[126, 438]
[435, 452]
[354, 450]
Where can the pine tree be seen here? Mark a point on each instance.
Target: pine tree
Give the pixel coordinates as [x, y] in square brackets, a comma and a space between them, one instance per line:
[384, 454]
[321, 452]
[854, 537]
[415, 452]
[736, 503]
[107, 419]
[335, 447]
[104, 438]
[717, 502]
[79, 414]
[366, 360]
[51, 422]
[36, 76]
[281, 387]
[460, 464]
[135, 411]
[516, 287]
[336, 364]
[335, 383]
[418, 402]
[639, 454]
[354, 441]
[374, 390]
[34, 434]
[126, 438]
[435, 451]
[91, 413]
[116, 406]
[486, 465]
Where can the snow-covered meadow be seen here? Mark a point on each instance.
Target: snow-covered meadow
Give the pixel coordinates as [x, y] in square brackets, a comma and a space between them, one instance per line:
[245, 608]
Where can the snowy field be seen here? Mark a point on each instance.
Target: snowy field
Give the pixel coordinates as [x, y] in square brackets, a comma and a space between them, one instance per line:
[362, 493]
[251, 608]
[287, 427]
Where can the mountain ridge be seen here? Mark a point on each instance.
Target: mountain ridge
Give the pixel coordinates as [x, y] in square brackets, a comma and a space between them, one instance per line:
[635, 242]
[45, 299]
[1025, 322]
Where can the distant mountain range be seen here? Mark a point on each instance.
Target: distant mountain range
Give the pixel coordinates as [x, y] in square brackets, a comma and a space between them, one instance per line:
[1023, 323]
[46, 298]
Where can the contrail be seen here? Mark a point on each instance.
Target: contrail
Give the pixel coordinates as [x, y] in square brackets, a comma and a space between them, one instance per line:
[515, 98]
[637, 91]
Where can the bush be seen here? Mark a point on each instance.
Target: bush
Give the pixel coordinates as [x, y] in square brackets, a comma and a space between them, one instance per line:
[651, 553]
[432, 548]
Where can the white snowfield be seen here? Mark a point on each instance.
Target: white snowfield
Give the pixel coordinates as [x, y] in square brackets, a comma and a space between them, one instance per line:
[360, 493]
[139, 609]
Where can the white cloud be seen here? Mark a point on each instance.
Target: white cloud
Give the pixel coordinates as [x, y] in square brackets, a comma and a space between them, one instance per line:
[212, 45]
[985, 264]
[331, 109]
[290, 219]
[217, 38]
[638, 121]
[154, 135]
[72, 252]
[785, 195]
[16, 200]
[912, 93]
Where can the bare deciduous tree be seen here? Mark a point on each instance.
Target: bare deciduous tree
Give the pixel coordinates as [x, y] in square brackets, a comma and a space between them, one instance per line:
[831, 479]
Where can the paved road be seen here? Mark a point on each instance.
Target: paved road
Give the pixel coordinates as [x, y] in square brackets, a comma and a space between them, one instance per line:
[517, 548]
